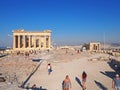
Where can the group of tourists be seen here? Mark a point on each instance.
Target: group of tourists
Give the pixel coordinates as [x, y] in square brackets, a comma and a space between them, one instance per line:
[115, 82]
[67, 82]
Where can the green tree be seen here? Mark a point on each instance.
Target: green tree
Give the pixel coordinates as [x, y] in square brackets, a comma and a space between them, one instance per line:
[86, 46]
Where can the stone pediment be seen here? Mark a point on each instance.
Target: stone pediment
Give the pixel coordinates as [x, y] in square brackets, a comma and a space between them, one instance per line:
[47, 31]
[19, 31]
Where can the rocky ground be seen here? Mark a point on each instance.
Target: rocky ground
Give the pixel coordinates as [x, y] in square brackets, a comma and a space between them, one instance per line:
[26, 71]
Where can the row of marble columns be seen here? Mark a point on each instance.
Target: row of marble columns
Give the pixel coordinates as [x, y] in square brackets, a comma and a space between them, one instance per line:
[95, 47]
[31, 41]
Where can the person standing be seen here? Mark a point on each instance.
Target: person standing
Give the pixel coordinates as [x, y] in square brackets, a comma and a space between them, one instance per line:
[84, 77]
[116, 82]
[49, 67]
[67, 83]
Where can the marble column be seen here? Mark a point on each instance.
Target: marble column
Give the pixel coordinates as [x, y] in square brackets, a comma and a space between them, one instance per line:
[14, 42]
[34, 41]
[24, 41]
[18, 41]
[44, 41]
[40, 42]
[49, 42]
[29, 41]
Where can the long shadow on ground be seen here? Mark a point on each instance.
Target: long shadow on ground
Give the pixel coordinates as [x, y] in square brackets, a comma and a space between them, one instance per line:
[37, 88]
[3, 55]
[100, 85]
[78, 81]
[109, 74]
[115, 65]
[63, 85]
[24, 83]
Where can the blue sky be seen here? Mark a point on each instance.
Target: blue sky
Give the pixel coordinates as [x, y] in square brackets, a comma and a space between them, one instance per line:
[71, 21]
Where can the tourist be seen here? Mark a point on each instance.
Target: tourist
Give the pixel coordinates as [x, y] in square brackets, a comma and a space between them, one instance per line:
[48, 50]
[66, 51]
[67, 83]
[116, 82]
[34, 87]
[26, 55]
[84, 77]
[49, 67]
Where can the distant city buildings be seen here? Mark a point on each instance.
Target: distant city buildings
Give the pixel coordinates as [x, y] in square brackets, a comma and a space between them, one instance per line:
[23, 40]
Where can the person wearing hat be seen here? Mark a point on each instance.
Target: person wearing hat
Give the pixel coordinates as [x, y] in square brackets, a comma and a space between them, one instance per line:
[116, 82]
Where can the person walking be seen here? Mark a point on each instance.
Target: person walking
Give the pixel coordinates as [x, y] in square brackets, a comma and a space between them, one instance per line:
[49, 67]
[67, 83]
[116, 82]
[84, 77]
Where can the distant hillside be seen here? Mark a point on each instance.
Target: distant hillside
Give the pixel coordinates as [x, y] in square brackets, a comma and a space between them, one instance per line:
[3, 47]
[115, 44]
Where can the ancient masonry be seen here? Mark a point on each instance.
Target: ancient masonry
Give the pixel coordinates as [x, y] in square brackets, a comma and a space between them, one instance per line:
[95, 46]
[23, 40]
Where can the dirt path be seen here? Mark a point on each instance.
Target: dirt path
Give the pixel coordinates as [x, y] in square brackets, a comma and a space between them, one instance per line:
[95, 81]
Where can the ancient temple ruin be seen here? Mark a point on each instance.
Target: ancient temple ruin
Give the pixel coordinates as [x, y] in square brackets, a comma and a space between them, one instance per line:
[24, 40]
